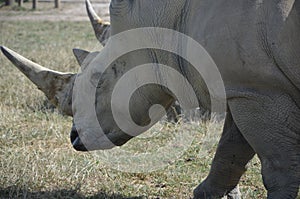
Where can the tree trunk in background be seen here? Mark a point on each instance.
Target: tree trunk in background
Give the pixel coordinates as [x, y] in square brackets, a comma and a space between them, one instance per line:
[34, 4]
[9, 2]
[57, 3]
[20, 2]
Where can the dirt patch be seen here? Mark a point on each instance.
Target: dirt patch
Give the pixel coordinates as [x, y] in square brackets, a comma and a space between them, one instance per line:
[69, 11]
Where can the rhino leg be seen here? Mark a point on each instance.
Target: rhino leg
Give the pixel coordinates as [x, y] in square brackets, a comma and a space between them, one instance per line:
[233, 153]
[270, 123]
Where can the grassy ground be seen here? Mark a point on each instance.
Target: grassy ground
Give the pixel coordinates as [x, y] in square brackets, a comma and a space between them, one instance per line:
[36, 157]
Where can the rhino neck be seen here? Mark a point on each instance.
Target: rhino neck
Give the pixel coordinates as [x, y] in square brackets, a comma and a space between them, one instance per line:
[189, 23]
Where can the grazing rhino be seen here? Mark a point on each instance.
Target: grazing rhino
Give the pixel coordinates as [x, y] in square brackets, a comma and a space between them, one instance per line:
[255, 45]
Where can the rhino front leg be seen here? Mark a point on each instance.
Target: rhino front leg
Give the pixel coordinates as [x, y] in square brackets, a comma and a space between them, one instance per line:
[270, 123]
[233, 153]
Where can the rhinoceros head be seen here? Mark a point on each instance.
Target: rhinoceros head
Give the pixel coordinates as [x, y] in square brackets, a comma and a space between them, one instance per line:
[111, 124]
[59, 87]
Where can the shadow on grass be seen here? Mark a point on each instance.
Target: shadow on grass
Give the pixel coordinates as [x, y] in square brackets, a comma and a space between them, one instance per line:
[15, 192]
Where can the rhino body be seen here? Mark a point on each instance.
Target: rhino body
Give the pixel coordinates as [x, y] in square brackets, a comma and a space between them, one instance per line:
[256, 46]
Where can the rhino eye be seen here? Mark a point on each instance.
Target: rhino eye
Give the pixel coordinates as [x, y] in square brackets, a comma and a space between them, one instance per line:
[115, 4]
[118, 7]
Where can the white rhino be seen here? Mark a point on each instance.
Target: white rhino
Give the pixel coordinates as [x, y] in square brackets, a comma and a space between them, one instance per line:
[256, 47]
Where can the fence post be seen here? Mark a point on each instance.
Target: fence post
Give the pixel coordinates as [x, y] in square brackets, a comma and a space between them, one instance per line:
[34, 4]
[57, 3]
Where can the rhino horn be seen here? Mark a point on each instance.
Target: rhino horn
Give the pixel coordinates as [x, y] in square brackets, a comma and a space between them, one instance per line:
[102, 29]
[57, 86]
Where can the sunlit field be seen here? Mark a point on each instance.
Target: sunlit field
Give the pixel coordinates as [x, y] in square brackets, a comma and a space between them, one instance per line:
[36, 156]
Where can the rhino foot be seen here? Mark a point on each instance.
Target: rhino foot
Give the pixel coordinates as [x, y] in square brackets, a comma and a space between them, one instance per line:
[209, 192]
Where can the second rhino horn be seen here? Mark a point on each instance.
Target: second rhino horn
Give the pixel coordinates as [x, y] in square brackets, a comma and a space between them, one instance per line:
[101, 29]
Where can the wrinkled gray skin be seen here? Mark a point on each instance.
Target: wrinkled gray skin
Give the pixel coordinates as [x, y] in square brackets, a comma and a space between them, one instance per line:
[256, 47]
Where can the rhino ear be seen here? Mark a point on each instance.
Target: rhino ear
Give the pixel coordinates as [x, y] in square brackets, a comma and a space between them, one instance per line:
[80, 55]
[84, 57]
[57, 86]
[101, 29]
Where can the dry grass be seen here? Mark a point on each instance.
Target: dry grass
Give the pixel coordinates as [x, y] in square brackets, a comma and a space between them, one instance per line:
[36, 158]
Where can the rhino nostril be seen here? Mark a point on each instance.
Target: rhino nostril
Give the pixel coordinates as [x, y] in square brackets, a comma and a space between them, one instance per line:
[75, 140]
[73, 134]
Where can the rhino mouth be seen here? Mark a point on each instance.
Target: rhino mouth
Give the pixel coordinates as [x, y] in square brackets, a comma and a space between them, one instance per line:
[76, 141]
